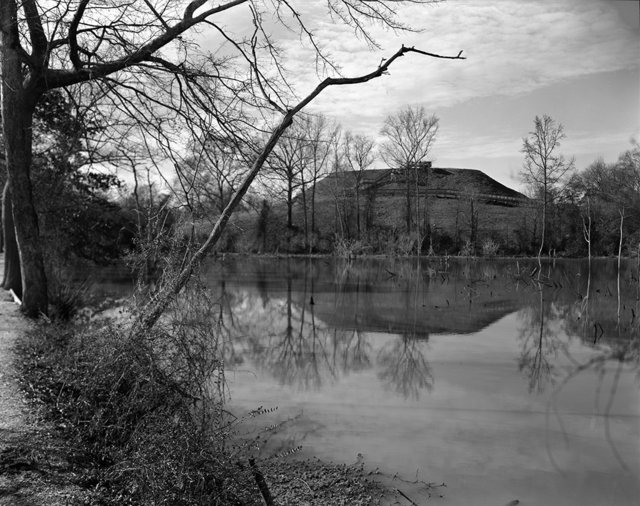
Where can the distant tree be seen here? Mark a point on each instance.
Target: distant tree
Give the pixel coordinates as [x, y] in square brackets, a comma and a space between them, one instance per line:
[359, 154]
[210, 175]
[410, 134]
[320, 133]
[543, 168]
[302, 157]
[338, 188]
[612, 191]
[286, 165]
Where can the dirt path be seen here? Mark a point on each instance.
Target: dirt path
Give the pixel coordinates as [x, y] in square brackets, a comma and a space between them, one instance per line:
[33, 467]
[13, 413]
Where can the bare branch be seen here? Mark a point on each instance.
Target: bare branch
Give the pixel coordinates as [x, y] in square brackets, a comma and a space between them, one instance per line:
[160, 301]
[73, 34]
[36, 32]
[57, 78]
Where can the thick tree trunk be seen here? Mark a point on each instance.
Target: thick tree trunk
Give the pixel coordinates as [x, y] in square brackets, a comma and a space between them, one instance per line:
[11, 279]
[544, 216]
[18, 104]
[4, 186]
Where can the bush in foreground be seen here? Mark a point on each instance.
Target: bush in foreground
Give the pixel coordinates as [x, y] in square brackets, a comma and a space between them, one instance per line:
[139, 430]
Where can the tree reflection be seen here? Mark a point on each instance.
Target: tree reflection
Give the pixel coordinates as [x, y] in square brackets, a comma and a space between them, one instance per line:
[356, 352]
[540, 344]
[404, 367]
[225, 326]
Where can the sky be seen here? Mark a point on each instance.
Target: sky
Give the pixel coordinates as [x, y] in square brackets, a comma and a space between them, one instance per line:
[575, 60]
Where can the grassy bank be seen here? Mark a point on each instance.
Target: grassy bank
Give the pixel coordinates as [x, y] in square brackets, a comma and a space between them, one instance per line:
[142, 423]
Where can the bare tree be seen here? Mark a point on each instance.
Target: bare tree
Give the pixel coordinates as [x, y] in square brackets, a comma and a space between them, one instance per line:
[359, 154]
[207, 179]
[410, 135]
[286, 165]
[338, 188]
[137, 58]
[543, 167]
[152, 312]
[320, 136]
[296, 165]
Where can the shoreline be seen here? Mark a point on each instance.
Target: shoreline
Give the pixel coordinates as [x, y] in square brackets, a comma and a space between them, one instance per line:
[382, 256]
[41, 466]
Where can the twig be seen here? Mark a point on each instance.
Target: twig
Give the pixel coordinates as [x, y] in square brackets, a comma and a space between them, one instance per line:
[406, 497]
[261, 482]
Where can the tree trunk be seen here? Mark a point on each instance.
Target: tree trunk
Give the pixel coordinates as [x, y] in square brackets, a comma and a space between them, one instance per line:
[621, 211]
[11, 279]
[313, 208]
[4, 186]
[544, 215]
[359, 231]
[306, 218]
[18, 105]
[408, 201]
[289, 204]
[427, 223]
[417, 193]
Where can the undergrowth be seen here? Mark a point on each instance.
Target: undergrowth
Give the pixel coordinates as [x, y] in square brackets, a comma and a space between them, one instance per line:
[146, 412]
[149, 428]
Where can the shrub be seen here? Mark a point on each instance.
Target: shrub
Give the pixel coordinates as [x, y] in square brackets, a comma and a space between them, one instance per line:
[442, 242]
[349, 248]
[145, 410]
[489, 248]
[402, 245]
[468, 249]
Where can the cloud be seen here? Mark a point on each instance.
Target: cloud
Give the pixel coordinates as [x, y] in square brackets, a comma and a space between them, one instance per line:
[523, 58]
[513, 47]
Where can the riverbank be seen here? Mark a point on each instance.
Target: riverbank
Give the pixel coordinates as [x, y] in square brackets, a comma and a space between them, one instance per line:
[69, 436]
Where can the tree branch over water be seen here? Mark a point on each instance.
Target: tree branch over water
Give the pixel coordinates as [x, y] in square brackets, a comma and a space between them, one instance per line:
[160, 301]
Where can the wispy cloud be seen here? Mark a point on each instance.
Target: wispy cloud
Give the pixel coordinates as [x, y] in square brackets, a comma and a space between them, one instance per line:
[513, 47]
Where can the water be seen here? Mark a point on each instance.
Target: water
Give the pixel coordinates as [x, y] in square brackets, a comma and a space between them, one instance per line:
[488, 376]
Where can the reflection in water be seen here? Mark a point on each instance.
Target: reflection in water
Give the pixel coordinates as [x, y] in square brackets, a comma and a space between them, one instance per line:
[356, 355]
[404, 368]
[309, 322]
[299, 349]
[344, 342]
[540, 345]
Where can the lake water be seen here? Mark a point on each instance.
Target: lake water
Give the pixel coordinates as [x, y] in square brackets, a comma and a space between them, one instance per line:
[488, 376]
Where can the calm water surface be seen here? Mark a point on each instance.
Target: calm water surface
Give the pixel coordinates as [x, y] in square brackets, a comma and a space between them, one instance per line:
[487, 376]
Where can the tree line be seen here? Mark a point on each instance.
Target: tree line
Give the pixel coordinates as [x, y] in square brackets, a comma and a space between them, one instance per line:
[593, 211]
[575, 212]
[314, 147]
